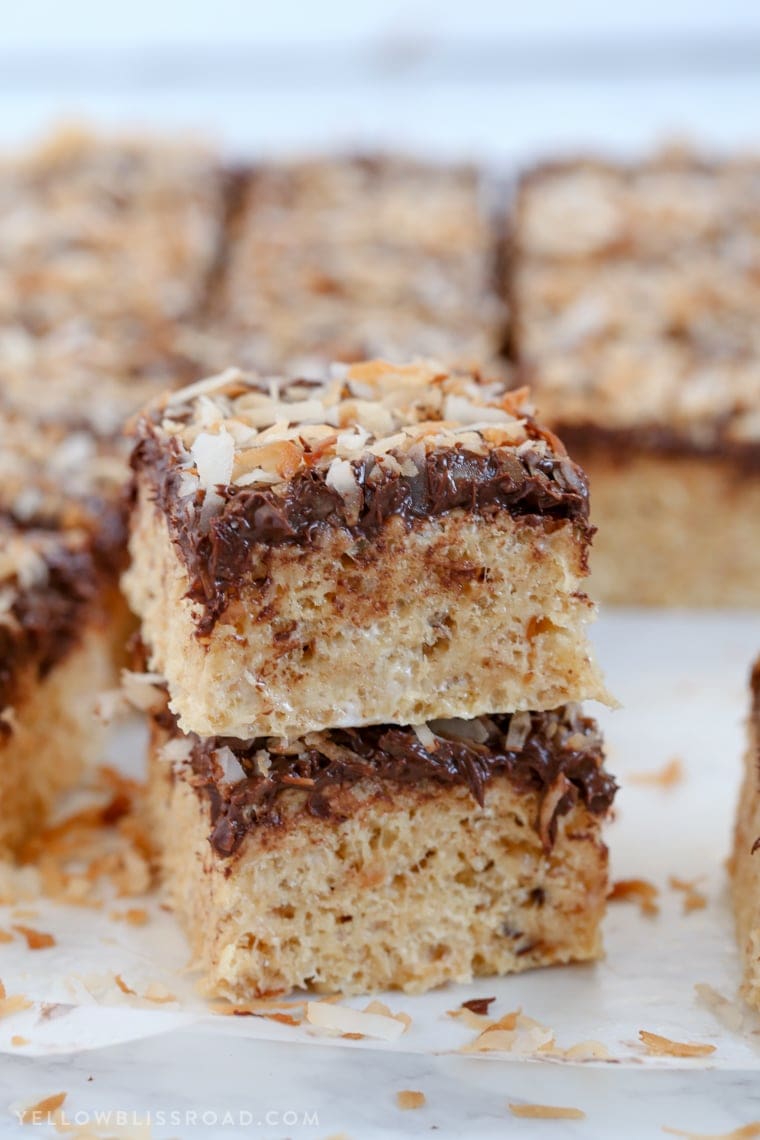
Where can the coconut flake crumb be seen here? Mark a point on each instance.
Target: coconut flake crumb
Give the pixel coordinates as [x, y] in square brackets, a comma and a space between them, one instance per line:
[341, 1020]
[693, 899]
[668, 776]
[743, 1132]
[658, 1046]
[42, 1111]
[35, 939]
[639, 891]
[546, 1112]
[410, 1098]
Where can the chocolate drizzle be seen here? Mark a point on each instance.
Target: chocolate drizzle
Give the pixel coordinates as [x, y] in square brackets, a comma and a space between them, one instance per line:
[558, 751]
[531, 484]
[44, 621]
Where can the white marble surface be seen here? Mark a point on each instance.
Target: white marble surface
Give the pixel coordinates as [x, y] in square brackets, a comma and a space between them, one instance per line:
[682, 681]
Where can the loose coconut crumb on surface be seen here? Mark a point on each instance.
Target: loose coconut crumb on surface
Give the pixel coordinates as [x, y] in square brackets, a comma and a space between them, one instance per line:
[693, 898]
[410, 1098]
[658, 1046]
[744, 1132]
[35, 939]
[546, 1112]
[13, 1003]
[668, 776]
[639, 891]
[375, 1020]
[42, 1111]
[518, 1034]
[17, 1040]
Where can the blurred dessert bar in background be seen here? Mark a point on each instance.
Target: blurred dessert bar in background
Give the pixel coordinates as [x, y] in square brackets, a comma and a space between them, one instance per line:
[634, 293]
[346, 259]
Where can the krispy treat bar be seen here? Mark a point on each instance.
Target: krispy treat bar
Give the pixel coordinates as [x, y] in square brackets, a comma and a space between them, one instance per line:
[55, 656]
[745, 864]
[343, 259]
[106, 248]
[634, 296]
[362, 859]
[388, 545]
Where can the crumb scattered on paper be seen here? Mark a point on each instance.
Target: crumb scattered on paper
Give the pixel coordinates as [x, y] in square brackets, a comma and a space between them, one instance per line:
[410, 1098]
[639, 891]
[668, 776]
[693, 898]
[546, 1112]
[658, 1046]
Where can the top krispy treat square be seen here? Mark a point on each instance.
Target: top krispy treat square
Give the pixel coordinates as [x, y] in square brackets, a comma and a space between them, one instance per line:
[342, 259]
[389, 544]
[635, 295]
[105, 245]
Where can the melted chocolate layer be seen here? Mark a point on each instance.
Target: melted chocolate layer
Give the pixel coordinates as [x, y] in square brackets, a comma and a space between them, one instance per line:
[554, 752]
[530, 485]
[46, 618]
[621, 444]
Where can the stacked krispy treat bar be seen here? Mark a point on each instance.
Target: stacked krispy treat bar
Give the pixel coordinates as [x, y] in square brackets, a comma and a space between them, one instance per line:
[344, 259]
[105, 248]
[365, 595]
[745, 863]
[634, 297]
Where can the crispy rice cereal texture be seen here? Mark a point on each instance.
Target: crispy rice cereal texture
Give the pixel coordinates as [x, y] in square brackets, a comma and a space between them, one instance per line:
[400, 885]
[392, 545]
[745, 864]
[634, 301]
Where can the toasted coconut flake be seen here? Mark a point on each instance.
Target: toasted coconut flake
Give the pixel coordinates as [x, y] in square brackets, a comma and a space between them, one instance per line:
[14, 1003]
[693, 899]
[478, 1005]
[342, 478]
[35, 939]
[658, 1046]
[513, 1033]
[342, 1019]
[744, 1132]
[668, 776]
[546, 1112]
[425, 736]
[410, 1098]
[125, 989]
[586, 1051]
[214, 455]
[133, 916]
[43, 1110]
[518, 731]
[5, 936]
[636, 890]
[158, 994]
[17, 1040]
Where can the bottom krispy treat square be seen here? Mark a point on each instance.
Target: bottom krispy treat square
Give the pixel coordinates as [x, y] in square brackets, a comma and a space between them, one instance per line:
[745, 862]
[56, 653]
[384, 857]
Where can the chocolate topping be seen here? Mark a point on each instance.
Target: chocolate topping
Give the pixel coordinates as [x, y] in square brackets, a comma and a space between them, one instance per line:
[546, 751]
[44, 620]
[658, 440]
[530, 484]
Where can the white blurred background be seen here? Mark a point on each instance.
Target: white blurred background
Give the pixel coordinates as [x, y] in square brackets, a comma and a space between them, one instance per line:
[474, 78]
